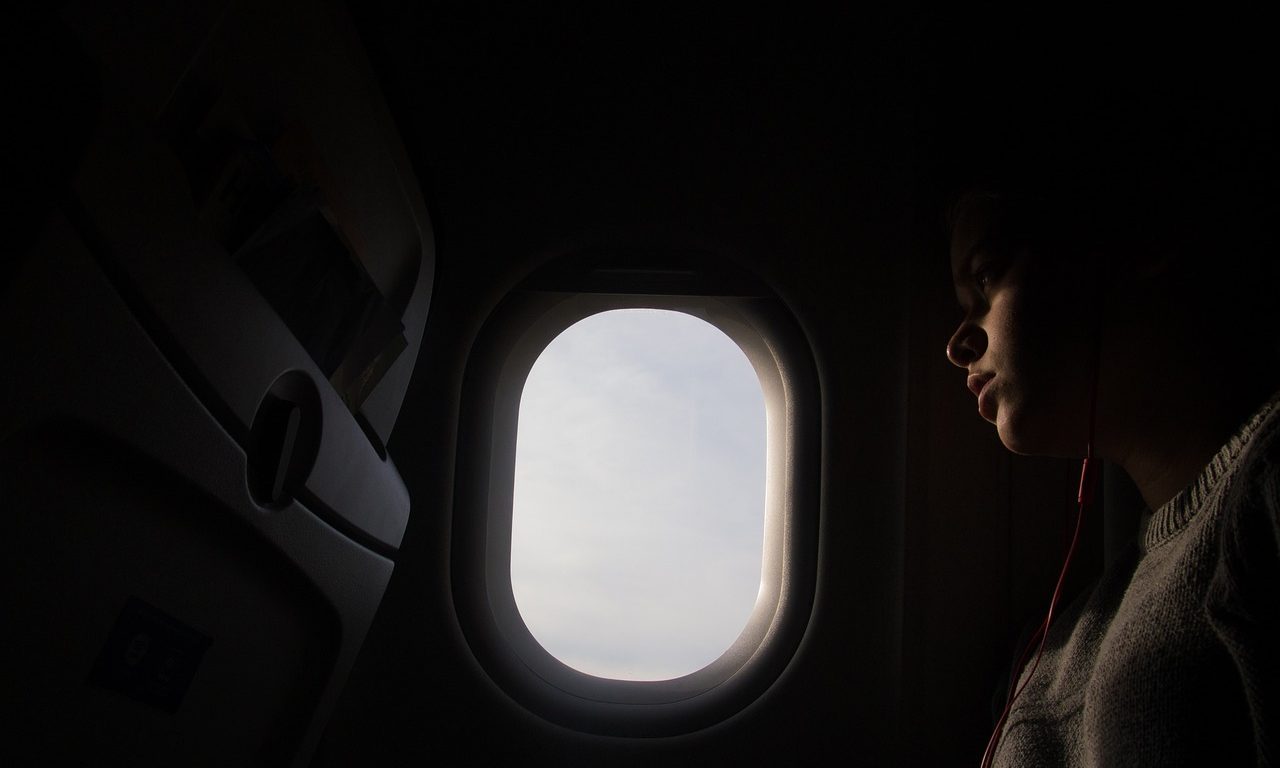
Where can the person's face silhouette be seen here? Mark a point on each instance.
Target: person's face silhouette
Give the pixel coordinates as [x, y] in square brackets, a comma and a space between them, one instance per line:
[1025, 339]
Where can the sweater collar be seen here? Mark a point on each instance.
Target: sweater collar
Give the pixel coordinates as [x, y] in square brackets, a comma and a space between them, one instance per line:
[1174, 514]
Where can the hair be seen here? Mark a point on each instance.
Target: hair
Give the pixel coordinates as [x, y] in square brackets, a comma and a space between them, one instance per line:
[1189, 178]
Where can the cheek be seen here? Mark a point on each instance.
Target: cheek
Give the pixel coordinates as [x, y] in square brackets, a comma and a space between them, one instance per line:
[1012, 330]
[1032, 346]
[1051, 354]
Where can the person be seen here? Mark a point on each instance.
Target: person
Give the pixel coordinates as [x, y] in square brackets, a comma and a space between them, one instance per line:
[1118, 296]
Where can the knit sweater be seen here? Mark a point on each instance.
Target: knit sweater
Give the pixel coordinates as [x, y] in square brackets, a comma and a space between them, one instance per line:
[1174, 658]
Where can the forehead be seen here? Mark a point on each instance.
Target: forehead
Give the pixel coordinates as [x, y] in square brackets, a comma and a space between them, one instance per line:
[972, 225]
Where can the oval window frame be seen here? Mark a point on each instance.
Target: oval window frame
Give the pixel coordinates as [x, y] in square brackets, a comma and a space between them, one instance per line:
[509, 343]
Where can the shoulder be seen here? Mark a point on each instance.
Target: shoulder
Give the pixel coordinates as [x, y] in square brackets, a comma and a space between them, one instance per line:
[1255, 492]
[1243, 600]
[1249, 554]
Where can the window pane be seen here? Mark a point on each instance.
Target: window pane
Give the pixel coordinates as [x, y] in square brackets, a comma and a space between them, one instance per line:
[638, 517]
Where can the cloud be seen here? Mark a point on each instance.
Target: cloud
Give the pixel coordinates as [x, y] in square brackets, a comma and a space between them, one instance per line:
[638, 516]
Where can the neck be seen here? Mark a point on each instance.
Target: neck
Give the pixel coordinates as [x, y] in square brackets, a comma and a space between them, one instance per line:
[1171, 434]
[1174, 387]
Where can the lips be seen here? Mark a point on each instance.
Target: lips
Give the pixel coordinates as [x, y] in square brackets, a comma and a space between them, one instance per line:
[977, 381]
[978, 385]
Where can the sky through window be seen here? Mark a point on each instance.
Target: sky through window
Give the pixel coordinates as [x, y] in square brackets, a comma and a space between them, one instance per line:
[638, 513]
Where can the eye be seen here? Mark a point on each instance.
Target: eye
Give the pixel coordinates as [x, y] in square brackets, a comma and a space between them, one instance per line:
[985, 274]
[983, 277]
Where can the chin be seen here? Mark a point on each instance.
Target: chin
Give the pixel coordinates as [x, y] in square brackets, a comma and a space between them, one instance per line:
[1012, 440]
[1025, 439]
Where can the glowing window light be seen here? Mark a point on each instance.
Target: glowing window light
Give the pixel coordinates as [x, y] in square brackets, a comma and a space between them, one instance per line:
[638, 513]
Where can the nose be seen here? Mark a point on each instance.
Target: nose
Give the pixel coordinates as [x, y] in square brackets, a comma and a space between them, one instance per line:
[966, 345]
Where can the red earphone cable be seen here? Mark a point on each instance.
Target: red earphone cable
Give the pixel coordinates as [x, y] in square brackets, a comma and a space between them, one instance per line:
[1038, 637]
[1084, 498]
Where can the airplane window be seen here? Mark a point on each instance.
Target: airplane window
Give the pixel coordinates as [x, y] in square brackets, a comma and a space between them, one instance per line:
[638, 511]
[634, 545]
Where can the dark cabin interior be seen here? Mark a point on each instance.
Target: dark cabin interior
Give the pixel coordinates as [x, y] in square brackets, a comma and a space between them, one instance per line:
[256, 242]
